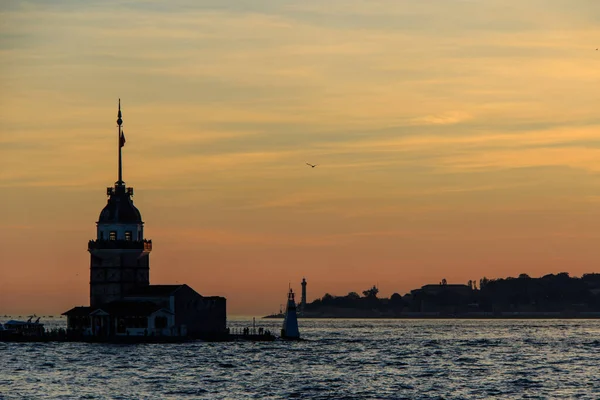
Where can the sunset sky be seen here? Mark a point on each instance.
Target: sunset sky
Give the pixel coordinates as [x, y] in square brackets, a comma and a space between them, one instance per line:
[455, 139]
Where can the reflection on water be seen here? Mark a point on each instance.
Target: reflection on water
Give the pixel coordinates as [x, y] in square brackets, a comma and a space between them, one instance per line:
[343, 359]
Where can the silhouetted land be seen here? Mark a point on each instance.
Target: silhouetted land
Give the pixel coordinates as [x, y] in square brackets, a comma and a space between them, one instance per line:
[551, 296]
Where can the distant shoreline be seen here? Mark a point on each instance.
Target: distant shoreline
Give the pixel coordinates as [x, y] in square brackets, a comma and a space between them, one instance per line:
[594, 315]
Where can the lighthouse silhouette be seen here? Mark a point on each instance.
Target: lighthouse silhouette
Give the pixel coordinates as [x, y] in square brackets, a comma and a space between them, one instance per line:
[290, 322]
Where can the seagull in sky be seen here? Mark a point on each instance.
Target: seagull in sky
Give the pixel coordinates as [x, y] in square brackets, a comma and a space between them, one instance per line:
[312, 165]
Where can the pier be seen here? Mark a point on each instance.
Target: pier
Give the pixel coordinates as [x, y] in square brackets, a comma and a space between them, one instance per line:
[34, 332]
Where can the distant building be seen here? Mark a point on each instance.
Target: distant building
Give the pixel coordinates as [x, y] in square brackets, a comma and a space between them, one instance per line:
[122, 301]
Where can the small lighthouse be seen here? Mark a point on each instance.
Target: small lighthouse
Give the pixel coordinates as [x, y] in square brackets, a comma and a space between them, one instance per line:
[303, 298]
[290, 322]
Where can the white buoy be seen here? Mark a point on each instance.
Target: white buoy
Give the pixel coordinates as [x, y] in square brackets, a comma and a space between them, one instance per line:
[290, 322]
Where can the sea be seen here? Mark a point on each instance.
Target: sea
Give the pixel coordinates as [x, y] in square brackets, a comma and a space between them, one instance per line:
[340, 359]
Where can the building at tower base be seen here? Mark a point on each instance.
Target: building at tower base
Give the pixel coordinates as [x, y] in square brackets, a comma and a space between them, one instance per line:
[156, 310]
[122, 301]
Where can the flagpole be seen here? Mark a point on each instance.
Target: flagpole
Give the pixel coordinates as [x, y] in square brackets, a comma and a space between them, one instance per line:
[120, 122]
[120, 160]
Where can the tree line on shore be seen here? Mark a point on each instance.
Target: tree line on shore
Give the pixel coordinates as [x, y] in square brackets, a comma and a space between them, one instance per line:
[549, 293]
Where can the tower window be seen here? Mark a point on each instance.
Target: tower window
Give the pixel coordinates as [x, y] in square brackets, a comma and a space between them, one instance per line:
[112, 235]
[127, 235]
[101, 235]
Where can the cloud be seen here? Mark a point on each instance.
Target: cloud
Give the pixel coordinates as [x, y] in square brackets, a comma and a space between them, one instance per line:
[574, 157]
[447, 118]
[224, 93]
[230, 237]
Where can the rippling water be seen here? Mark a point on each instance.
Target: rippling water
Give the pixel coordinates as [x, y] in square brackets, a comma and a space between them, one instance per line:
[361, 359]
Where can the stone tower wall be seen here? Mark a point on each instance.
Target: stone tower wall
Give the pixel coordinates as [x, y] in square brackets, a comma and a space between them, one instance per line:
[114, 273]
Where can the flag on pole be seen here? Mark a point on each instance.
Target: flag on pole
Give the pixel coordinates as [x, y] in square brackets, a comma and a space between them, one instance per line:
[122, 139]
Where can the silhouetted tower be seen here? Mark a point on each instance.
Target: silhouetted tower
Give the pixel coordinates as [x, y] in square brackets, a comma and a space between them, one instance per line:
[120, 254]
[303, 298]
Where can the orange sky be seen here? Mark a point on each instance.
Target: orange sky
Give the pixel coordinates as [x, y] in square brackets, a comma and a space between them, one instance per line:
[455, 138]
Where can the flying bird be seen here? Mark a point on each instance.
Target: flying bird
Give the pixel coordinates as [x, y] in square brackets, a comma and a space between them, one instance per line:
[312, 165]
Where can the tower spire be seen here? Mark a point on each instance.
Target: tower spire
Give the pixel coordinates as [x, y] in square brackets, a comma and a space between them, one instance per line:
[120, 141]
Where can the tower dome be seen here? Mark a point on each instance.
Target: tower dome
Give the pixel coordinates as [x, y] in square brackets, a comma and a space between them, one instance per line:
[120, 208]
